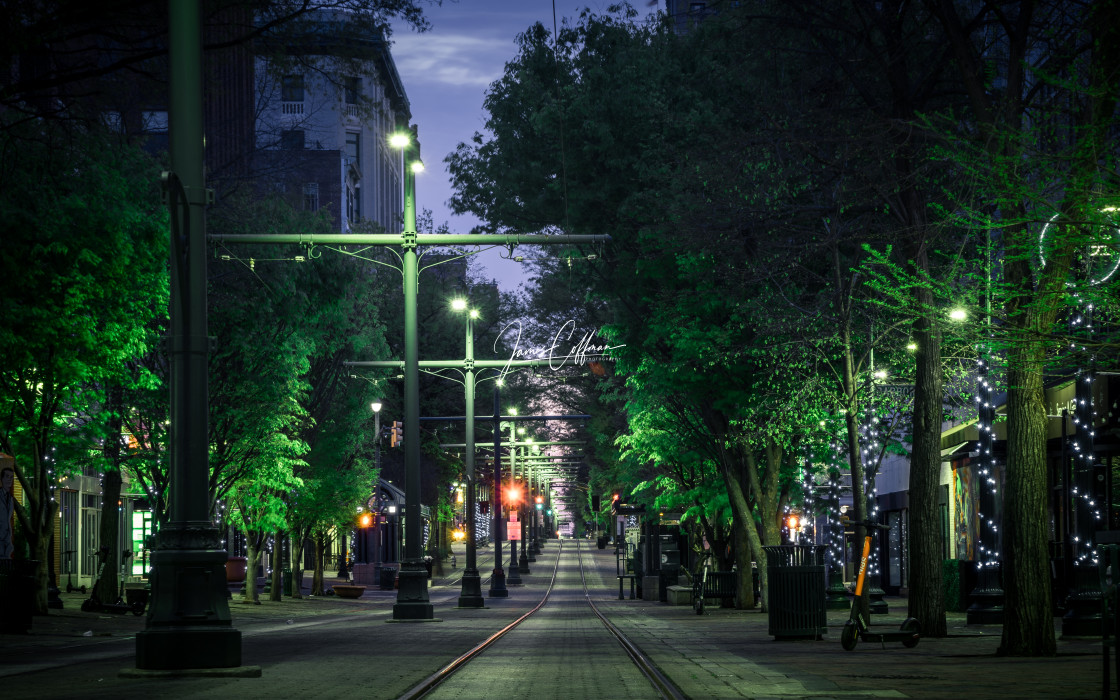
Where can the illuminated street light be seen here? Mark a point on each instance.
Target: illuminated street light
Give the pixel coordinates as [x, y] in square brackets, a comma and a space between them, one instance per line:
[412, 593]
[471, 593]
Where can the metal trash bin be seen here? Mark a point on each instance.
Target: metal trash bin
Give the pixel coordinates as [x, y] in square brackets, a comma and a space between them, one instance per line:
[388, 577]
[795, 579]
[286, 581]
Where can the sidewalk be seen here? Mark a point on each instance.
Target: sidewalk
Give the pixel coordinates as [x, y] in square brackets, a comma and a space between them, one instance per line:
[724, 653]
[73, 628]
[730, 653]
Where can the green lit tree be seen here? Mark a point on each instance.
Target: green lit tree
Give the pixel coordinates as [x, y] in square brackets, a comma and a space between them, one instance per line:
[1038, 147]
[85, 251]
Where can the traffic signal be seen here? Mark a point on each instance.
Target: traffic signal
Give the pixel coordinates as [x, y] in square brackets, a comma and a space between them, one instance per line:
[396, 434]
[540, 503]
[596, 503]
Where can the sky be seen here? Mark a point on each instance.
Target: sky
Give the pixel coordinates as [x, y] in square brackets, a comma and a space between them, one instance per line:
[446, 72]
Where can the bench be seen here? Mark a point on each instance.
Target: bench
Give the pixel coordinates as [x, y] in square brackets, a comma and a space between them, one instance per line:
[624, 576]
[720, 585]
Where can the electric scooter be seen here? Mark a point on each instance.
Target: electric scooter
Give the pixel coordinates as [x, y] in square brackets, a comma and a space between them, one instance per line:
[70, 587]
[120, 607]
[856, 627]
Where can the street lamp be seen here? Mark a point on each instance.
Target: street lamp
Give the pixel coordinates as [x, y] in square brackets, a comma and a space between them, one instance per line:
[375, 406]
[471, 593]
[515, 570]
[412, 594]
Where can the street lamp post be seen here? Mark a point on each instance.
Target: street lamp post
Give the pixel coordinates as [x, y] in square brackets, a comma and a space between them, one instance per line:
[471, 593]
[375, 406]
[515, 570]
[498, 577]
[189, 624]
[412, 594]
[527, 511]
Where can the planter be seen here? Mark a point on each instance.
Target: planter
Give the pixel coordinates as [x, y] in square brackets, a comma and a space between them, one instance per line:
[235, 569]
[349, 591]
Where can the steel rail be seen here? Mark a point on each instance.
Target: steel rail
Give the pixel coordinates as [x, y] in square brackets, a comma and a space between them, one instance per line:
[665, 688]
[429, 684]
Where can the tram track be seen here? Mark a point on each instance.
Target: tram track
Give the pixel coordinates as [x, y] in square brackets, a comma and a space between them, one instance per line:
[657, 680]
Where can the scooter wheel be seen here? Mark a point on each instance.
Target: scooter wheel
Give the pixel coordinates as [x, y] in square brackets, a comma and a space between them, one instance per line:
[83, 589]
[137, 609]
[913, 626]
[849, 635]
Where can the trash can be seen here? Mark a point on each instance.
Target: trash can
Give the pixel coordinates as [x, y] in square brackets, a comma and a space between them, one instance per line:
[795, 579]
[286, 582]
[668, 576]
[388, 577]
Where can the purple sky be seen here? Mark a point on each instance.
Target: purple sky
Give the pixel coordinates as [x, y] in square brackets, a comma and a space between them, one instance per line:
[446, 73]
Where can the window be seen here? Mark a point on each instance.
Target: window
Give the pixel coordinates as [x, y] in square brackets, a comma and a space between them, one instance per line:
[154, 122]
[352, 87]
[291, 88]
[354, 148]
[311, 196]
[292, 140]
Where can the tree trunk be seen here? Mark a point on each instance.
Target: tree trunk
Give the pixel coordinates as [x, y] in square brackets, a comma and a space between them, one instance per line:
[276, 591]
[927, 597]
[317, 573]
[851, 418]
[296, 549]
[41, 550]
[105, 588]
[1028, 628]
[252, 561]
[745, 514]
[743, 559]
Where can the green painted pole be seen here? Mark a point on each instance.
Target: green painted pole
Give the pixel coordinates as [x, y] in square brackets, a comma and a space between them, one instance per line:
[189, 624]
[471, 593]
[412, 593]
[498, 577]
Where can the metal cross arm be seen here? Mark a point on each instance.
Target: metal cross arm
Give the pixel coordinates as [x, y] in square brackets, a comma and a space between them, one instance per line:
[388, 239]
[455, 364]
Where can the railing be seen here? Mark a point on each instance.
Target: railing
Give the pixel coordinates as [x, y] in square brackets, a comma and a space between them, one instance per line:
[291, 107]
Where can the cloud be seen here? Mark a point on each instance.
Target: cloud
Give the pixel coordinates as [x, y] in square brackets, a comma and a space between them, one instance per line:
[455, 59]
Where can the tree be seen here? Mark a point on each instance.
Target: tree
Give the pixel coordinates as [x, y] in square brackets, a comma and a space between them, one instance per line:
[84, 237]
[1034, 164]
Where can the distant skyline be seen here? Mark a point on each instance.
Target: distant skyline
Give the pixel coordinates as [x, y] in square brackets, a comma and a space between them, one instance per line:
[446, 73]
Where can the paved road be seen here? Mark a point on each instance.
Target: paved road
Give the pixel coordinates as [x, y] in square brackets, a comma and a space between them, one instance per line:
[331, 648]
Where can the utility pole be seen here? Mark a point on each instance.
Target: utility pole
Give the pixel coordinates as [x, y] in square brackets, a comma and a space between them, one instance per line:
[412, 596]
[189, 624]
